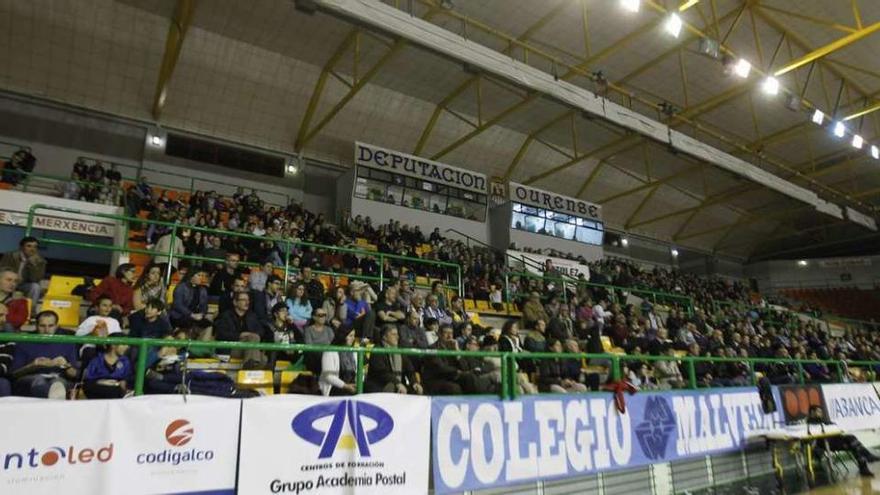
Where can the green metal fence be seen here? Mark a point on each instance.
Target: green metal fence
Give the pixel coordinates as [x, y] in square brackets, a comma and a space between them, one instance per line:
[288, 247]
[509, 361]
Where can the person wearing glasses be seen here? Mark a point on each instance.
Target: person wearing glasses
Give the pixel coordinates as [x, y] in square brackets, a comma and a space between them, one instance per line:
[240, 324]
[318, 333]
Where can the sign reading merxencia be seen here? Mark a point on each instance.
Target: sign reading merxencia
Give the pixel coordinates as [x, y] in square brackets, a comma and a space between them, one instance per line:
[367, 155]
[547, 200]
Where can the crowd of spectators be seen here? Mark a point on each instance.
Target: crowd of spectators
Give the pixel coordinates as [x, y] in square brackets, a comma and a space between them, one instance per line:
[241, 275]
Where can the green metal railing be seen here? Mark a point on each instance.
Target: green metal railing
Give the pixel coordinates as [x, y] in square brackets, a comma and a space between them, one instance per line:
[289, 245]
[509, 361]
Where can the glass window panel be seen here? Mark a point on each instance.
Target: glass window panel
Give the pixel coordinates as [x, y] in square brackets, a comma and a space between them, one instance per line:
[394, 195]
[438, 204]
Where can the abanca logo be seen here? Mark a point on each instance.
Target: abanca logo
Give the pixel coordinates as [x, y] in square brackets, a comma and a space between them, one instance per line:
[178, 433]
[352, 410]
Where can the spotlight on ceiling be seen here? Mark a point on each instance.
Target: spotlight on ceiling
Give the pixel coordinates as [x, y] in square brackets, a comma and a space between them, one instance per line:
[770, 86]
[857, 142]
[818, 117]
[624, 241]
[839, 129]
[673, 25]
[802, 263]
[674, 253]
[742, 68]
[631, 5]
[875, 152]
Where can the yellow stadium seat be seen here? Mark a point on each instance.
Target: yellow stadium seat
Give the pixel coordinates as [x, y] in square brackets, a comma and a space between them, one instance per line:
[483, 306]
[475, 319]
[63, 286]
[606, 343]
[679, 353]
[469, 305]
[67, 308]
[169, 294]
[422, 281]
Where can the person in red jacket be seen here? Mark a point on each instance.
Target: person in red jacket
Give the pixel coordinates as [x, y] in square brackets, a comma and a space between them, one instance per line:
[119, 288]
[18, 313]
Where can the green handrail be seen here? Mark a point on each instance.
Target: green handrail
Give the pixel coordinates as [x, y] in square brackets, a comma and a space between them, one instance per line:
[508, 360]
[174, 226]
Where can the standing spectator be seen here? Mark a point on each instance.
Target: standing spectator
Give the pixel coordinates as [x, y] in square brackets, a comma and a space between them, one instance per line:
[118, 288]
[29, 265]
[299, 307]
[240, 324]
[171, 246]
[265, 299]
[338, 367]
[392, 373]
[109, 374]
[44, 370]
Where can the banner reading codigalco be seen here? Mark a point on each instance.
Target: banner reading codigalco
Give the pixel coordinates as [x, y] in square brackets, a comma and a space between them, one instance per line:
[370, 444]
[367, 155]
[540, 198]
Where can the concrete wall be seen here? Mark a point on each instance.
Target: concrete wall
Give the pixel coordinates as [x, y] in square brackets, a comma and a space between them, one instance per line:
[864, 273]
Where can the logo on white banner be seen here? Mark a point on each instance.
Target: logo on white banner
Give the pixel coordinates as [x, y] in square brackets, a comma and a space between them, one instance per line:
[178, 433]
[354, 411]
[51, 456]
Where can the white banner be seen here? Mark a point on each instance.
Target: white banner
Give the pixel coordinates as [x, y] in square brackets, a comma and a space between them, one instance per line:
[563, 266]
[533, 196]
[147, 445]
[368, 155]
[371, 444]
[852, 406]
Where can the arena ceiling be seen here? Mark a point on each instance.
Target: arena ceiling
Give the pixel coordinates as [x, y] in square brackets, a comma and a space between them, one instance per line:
[267, 74]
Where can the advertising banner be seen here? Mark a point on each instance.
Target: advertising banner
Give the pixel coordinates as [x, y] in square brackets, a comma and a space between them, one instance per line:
[372, 444]
[368, 155]
[533, 196]
[520, 260]
[139, 446]
[480, 443]
[852, 406]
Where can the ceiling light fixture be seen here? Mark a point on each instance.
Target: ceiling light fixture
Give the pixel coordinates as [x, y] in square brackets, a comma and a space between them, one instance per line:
[875, 152]
[771, 86]
[839, 129]
[818, 117]
[674, 253]
[624, 241]
[857, 142]
[673, 25]
[802, 263]
[742, 68]
[631, 5]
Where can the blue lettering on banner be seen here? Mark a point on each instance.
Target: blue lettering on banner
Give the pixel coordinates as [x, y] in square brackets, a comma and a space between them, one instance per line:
[847, 407]
[481, 443]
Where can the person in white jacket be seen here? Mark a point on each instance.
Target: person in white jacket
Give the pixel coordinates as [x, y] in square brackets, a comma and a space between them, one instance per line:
[338, 368]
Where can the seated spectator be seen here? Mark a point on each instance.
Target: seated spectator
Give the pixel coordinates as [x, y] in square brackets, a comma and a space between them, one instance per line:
[148, 323]
[334, 306]
[555, 376]
[299, 306]
[438, 291]
[392, 373]
[18, 167]
[44, 370]
[486, 369]
[509, 342]
[338, 367]
[118, 288]
[170, 247]
[536, 339]
[189, 305]
[446, 375]
[533, 311]
[109, 375]
[258, 278]
[667, 373]
[282, 329]
[7, 349]
[496, 298]
[388, 309]
[817, 372]
[221, 283]
[225, 303]
[435, 311]
[314, 287]
[150, 285]
[17, 308]
[266, 298]
[412, 335]
[70, 189]
[318, 333]
[358, 314]
[240, 324]
[100, 324]
[29, 265]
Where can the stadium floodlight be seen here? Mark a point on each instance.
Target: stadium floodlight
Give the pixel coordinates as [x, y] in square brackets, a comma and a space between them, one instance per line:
[624, 241]
[802, 263]
[839, 129]
[818, 117]
[631, 5]
[673, 25]
[674, 253]
[857, 142]
[875, 152]
[742, 68]
[771, 86]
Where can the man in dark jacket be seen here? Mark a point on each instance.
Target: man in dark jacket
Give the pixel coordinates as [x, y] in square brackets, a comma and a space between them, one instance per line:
[189, 306]
[30, 266]
[391, 373]
[445, 375]
[240, 324]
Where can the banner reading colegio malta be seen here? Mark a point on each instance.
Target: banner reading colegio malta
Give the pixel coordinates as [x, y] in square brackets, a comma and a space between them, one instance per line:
[146, 445]
[482, 443]
[371, 444]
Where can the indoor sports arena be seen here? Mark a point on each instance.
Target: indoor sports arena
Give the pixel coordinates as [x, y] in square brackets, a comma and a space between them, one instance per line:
[404, 247]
